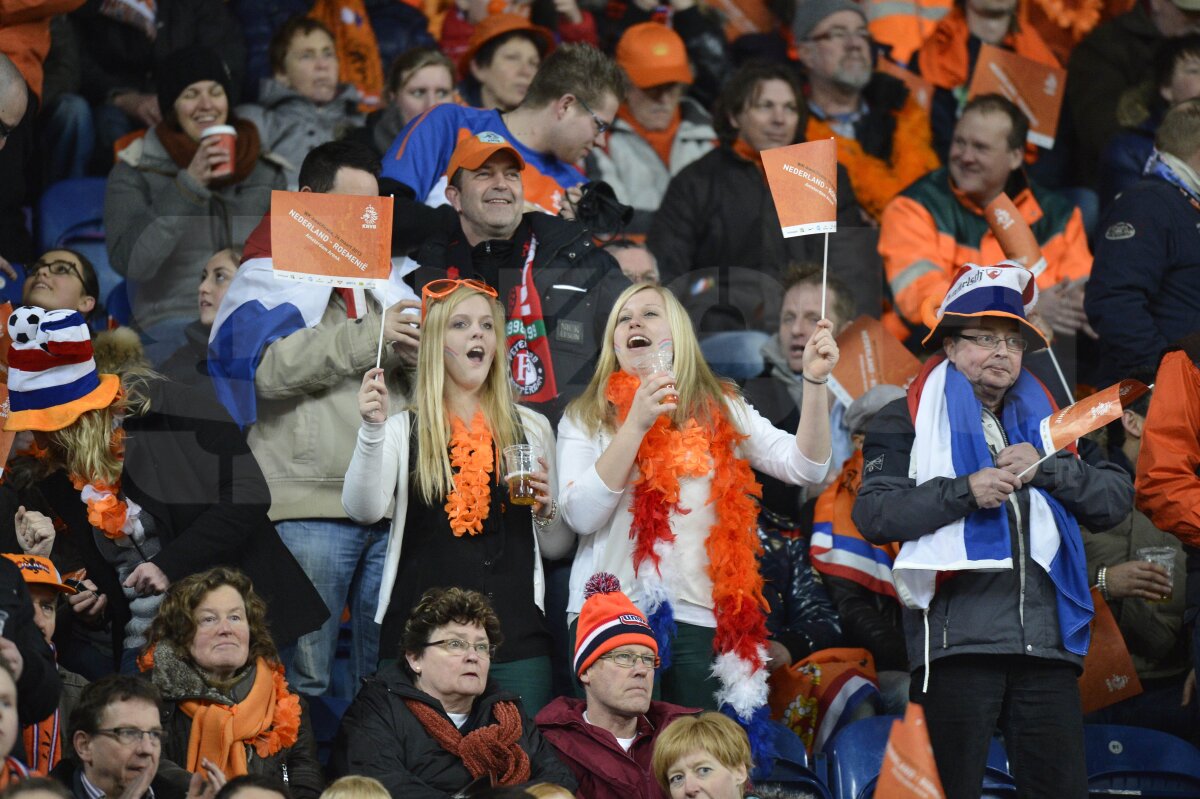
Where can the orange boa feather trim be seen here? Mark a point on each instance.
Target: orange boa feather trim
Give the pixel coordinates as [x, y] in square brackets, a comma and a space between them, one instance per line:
[471, 457]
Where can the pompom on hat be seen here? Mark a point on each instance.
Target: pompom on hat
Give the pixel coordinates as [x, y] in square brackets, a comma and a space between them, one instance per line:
[608, 620]
[1006, 290]
[52, 376]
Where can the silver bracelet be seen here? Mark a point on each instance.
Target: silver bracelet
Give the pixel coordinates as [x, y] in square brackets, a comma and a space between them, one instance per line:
[1102, 582]
[808, 379]
[549, 520]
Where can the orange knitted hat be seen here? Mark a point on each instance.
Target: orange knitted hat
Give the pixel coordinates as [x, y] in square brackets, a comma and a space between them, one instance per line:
[608, 620]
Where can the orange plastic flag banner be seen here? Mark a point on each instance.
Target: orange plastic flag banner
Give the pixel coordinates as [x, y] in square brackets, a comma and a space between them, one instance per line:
[909, 770]
[803, 182]
[1108, 672]
[1037, 89]
[1061, 429]
[920, 89]
[331, 239]
[870, 356]
[744, 16]
[1014, 235]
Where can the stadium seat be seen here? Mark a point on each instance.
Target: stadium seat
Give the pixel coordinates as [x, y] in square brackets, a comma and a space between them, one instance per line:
[735, 354]
[1134, 761]
[71, 214]
[120, 312]
[11, 289]
[791, 766]
[855, 756]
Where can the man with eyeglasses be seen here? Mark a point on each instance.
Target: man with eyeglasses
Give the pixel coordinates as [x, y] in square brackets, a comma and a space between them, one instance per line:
[117, 737]
[567, 111]
[607, 739]
[991, 570]
[882, 131]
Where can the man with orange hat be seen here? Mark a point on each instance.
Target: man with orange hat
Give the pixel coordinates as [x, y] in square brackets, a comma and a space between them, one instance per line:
[45, 740]
[955, 471]
[607, 739]
[659, 129]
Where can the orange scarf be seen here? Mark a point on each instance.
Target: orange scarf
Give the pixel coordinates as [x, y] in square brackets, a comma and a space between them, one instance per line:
[12, 771]
[268, 719]
[357, 47]
[741, 148]
[659, 140]
[471, 458]
[43, 743]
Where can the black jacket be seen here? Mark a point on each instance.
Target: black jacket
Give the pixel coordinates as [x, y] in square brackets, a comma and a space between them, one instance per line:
[802, 617]
[979, 612]
[187, 465]
[116, 57]
[379, 737]
[577, 282]
[38, 688]
[69, 773]
[718, 213]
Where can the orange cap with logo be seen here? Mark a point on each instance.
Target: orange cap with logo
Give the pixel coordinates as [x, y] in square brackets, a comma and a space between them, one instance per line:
[38, 570]
[474, 151]
[652, 54]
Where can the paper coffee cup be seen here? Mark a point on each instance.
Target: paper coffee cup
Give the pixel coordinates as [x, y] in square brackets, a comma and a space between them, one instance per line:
[227, 135]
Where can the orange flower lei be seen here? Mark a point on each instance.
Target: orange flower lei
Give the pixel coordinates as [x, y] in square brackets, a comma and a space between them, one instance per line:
[472, 459]
[285, 724]
[106, 510]
[667, 455]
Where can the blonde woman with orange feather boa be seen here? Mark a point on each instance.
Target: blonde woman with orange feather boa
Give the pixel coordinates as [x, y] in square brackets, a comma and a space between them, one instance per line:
[662, 494]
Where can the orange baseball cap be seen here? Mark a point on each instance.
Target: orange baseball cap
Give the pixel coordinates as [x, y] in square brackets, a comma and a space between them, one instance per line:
[38, 570]
[474, 151]
[498, 25]
[652, 54]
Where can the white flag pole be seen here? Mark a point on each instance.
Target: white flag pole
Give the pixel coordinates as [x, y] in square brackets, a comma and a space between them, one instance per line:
[1061, 376]
[1033, 466]
[379, 349]
[824, 273]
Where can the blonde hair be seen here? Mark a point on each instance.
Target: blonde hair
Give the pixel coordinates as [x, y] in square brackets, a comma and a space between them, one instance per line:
[435, 478]
[356, 786]
[547, 790]
[698, 386]
[89, 447]
[713, 733]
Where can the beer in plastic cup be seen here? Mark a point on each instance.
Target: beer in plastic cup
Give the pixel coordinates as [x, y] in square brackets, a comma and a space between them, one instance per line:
[227, 135]
[655, 363]
[520, 462]
[1165, 557]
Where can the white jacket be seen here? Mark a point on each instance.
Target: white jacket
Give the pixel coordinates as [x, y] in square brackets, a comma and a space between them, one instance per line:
[602, 517]
[378, 473]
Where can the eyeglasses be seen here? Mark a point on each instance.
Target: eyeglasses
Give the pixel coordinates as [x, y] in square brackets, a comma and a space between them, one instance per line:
[989, 342]
[440, 289]
[840, 35]
[601, 126]
[457, 646]
[627, 660]
[128, 736]
[58, 268]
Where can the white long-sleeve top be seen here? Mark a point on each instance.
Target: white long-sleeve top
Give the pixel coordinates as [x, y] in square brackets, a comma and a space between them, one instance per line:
[602, 517]
[378, 472]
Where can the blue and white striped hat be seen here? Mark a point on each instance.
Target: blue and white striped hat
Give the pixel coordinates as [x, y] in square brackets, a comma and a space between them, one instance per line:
[52, 377]
[1006, 289]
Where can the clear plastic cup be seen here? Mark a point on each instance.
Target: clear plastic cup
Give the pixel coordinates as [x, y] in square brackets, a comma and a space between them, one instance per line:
[1165, 557]
[657, 362]
[227, 135]
[520, 462]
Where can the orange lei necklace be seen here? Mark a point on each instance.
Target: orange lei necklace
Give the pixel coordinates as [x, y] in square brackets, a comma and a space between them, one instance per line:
[106, 511]
[472, 459]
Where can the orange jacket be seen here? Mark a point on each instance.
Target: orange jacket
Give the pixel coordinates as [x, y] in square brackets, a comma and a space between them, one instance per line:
[876, 181]
[944, 58]
[25, 34]
[904, 26]
[931, 229]
[1168, 489]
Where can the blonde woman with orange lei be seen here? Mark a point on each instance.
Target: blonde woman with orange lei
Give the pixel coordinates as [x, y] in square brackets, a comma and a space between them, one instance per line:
[438, 467]
[656, 478]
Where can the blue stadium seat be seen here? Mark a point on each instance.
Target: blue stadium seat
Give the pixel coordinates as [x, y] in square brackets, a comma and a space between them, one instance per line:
[856, 755]
[1124, 761]
[71, 214]
[791, 766]
[735, 354]
[120, 311]
[10, 289]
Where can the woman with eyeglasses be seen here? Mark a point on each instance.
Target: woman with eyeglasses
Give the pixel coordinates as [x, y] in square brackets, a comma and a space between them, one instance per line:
[441, 464]
[435, 723]
[225, 697]
[62, 279]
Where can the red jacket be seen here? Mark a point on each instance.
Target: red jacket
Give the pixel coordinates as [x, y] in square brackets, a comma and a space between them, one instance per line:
[1168, 489]
[604, 770]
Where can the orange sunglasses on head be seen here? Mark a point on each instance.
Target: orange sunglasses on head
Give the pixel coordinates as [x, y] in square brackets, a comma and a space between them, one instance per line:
[440, 289]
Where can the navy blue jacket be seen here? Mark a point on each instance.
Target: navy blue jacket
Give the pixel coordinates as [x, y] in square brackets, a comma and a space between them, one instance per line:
[1144, 292]
[802, 617]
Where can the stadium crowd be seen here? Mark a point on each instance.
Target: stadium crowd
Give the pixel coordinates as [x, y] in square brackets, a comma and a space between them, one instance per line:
[576, 500]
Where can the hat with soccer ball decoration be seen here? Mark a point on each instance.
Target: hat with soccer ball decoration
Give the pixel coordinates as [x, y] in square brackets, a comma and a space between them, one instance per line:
[52, 377]
[608, 620]
[1007, 290]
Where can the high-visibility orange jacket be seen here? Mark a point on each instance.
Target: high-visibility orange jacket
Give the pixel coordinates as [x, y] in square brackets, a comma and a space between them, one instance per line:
[931, 229]
[904, 24]
[1168, 488]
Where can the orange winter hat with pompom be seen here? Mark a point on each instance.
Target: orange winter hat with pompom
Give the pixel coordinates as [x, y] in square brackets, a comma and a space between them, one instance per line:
[608, 620]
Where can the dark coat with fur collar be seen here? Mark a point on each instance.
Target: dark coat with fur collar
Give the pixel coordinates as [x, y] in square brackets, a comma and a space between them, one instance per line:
[179, 681]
